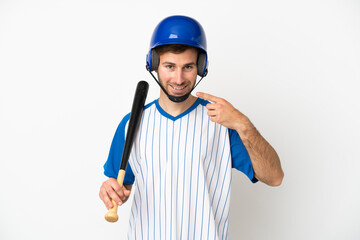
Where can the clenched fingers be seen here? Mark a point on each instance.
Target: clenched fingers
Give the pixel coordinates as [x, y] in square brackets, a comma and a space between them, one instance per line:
[105, 198]
[111, 190]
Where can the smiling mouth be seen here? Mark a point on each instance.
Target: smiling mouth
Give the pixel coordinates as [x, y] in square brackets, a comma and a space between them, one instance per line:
[178, 90]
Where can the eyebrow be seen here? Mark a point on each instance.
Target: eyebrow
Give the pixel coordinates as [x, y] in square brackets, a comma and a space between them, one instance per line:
[171, 63]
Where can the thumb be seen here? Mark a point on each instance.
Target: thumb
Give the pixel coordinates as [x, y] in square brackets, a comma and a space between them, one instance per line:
[127, 192]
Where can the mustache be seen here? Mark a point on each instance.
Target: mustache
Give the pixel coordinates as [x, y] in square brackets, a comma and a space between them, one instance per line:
[177, 85]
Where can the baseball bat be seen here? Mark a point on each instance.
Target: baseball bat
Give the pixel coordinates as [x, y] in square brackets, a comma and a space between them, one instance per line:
[134, 121]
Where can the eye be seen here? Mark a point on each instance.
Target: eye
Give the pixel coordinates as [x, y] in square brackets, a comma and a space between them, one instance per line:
[169, 66]
[189, 67]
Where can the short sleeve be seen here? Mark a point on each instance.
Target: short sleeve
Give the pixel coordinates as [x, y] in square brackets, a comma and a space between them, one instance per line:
[112, 165]
[240, 157]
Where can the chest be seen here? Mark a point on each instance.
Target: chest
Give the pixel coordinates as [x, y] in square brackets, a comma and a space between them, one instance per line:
[164, 147]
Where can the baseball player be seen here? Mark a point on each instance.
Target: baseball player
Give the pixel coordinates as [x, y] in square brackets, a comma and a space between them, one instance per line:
[185, 147]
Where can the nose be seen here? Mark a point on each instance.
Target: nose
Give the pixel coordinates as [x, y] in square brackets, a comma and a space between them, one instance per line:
[179, 78]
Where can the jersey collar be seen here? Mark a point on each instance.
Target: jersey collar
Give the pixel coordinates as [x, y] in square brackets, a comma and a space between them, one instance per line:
[165, 114]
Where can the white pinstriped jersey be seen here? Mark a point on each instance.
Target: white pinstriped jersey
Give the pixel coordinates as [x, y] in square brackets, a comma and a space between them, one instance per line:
[182, 166]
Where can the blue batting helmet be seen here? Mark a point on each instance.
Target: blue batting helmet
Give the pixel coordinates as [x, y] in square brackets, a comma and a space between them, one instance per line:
[178, 30]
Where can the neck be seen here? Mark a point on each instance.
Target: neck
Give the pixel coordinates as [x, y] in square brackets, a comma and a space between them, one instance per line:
[173, 108]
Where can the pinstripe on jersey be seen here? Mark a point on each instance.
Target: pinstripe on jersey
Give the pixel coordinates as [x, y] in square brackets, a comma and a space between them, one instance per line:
[182, 166]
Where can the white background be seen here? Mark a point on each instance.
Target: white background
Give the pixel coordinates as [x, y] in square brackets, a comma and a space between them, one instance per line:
[68, 71]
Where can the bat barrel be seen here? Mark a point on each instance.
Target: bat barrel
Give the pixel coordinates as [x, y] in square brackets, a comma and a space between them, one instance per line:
[134, 121]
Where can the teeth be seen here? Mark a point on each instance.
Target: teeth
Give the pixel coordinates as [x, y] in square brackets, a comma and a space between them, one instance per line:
[178, 88]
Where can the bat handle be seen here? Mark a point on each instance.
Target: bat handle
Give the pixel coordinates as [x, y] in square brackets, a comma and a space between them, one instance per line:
[111, 215]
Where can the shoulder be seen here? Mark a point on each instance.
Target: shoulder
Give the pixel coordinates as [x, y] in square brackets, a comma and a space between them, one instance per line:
[202, 102]
[126, 118]
[150, 105]
[147, 106]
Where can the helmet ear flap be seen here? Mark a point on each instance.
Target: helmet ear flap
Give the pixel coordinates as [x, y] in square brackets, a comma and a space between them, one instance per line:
[201, 64]
[154, 60]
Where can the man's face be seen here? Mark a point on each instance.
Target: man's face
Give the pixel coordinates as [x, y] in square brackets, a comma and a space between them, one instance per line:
[177, 71]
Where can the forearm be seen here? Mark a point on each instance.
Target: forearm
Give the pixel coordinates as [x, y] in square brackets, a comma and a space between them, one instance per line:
[265, 161]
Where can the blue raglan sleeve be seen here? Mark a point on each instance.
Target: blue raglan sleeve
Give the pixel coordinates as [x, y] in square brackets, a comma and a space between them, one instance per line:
[240, 157]
[112, 165]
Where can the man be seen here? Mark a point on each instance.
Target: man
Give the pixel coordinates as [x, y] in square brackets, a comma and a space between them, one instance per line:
[186, 147]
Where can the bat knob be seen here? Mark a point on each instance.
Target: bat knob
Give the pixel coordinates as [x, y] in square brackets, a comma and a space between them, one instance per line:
[111, 216]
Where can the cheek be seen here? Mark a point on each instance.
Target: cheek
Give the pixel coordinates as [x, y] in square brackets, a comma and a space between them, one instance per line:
[163, 75]
[191, 77]
[166, 77]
